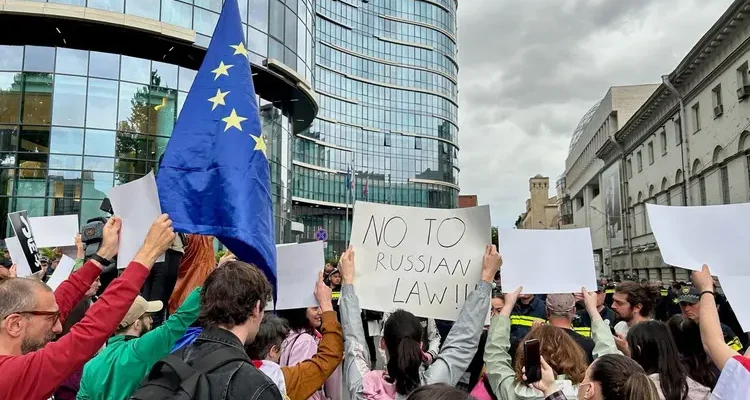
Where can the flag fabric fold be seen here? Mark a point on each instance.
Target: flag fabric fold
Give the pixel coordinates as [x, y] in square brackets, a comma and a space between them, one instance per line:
[214, 178]
[734, 381]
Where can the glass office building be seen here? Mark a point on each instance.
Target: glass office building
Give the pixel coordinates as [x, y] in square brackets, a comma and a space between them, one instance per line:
[90, 91]
[386, 78]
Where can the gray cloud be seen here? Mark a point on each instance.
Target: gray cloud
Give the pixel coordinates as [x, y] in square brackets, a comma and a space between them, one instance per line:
[531, 69]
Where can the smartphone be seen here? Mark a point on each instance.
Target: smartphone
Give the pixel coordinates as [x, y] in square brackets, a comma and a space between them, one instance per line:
[612, 329]
[532, 357]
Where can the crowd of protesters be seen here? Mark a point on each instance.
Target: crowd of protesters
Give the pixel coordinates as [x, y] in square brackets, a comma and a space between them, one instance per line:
[193, 328]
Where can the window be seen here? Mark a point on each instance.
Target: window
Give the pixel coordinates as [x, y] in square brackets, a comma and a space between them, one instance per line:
[702, 188]
[724, 185]
[70, 61]
[41, 59]
[629, 168]
[69, 103]
[639, 156]
[176, 13]
[718, 105]
[650, 153]
[696, 117]
[387, 140]
[678, 131]
[101, 106]
[418, 143]
[663, 138]
[742, 81]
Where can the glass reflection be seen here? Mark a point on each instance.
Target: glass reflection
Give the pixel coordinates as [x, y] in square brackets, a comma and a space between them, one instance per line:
[177, 13]
[40, 59]
[101, 104]
[11, 58]
[66, 140]
[71, 61]
[69, 106]
[37, 98]
[104, 65]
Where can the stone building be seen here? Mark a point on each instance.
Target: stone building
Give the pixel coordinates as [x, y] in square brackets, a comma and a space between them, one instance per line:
[541, 210]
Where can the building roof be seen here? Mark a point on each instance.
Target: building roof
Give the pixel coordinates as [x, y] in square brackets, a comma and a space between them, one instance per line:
[578, 132]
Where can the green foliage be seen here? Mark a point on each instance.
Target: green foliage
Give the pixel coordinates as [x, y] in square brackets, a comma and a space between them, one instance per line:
[47, 252]
[220, 254]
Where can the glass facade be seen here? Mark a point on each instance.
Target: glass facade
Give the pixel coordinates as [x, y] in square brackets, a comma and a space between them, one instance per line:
[75, 123]
[280, 29]
[386, 76]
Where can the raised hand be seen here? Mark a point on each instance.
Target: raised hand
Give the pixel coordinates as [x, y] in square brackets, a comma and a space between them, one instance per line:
[158, 239]
[703, 280]
[346, 265]
[110, 238]
[491, 263]
[323, 294]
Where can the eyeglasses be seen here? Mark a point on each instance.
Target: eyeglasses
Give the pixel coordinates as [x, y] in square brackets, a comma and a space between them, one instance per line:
[54, 314]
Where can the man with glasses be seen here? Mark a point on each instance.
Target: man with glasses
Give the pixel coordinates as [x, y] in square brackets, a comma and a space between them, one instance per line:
[31, 315]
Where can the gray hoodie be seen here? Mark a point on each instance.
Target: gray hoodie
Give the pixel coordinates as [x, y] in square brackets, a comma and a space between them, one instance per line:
[454, 358]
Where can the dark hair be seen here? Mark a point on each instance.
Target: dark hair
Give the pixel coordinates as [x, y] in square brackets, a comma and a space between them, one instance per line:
[651, 345]
[642, 294]
[439, 391]
[297, 319]
[687, 337]
[272, 332]
[564, 355]
[402, 334]
[231, 293]
[621, 378]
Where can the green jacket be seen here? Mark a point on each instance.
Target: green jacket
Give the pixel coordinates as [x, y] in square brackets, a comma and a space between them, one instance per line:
[118, 370]
[501, 374]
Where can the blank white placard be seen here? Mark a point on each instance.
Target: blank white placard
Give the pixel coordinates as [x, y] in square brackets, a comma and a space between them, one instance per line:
[54, 231]
[18, 257]
[547, 261]
[297, 268]
[717, 236]
[137, 204]
[62, 272]
[738, 295]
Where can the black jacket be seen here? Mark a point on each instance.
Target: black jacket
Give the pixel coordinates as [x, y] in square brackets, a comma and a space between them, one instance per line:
[234, 381]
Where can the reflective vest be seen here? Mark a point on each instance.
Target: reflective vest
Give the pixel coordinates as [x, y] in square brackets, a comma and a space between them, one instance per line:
[584, 331]
[525, 320]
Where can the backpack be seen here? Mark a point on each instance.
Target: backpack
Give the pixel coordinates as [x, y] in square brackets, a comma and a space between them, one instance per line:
[174, 379]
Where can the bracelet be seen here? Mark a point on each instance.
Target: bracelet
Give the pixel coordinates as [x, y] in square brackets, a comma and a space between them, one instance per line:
[706, 292]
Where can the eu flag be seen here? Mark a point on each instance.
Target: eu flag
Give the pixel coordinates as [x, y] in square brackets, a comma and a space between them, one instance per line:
[214, 178]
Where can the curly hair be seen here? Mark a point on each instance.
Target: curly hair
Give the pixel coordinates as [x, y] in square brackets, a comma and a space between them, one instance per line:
[231, 293]
[560, 351]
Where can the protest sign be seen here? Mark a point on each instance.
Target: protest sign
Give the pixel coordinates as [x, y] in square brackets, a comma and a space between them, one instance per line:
[689, 237]
[137, 204]
[62, 272]
[547, 261]
[735, 288]
[297, 266]
[20, 222]
[18, 257]
[425, 261]
[55, 231]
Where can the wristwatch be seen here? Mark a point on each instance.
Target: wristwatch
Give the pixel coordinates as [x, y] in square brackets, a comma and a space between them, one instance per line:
[101, 260]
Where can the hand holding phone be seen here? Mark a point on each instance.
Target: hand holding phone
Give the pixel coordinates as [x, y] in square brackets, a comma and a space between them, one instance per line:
[532, 362]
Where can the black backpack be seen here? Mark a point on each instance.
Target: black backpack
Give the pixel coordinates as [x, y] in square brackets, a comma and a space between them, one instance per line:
[174, 379]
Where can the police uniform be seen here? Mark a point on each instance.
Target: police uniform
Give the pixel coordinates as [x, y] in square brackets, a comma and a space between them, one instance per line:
[524, 316]
[691, 295]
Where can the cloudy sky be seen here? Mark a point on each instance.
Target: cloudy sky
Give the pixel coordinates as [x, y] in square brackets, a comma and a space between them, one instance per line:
[531, 68]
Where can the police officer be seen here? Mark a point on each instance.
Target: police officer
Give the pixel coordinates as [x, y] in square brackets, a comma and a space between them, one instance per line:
[690, 305]
[582, 322]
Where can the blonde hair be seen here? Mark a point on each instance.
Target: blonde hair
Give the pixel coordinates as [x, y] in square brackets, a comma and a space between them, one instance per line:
[560, 351]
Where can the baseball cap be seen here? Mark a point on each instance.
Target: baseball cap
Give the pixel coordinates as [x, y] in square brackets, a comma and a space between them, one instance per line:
[334, 271]
[689, 294]
[561, 303]
[139, 308]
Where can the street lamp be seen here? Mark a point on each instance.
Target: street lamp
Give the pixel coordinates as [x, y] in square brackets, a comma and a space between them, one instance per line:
[608, 265]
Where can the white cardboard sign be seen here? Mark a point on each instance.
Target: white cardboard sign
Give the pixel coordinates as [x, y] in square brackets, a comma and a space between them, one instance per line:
[717, 236]
[547, 261]
[736, 290]
[297, 268]
[137, 204]
[62, 272]
[422, 260]
[55, 231]
[17, 256]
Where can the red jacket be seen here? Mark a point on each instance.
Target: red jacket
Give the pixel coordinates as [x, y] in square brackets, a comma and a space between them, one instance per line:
[36, 375]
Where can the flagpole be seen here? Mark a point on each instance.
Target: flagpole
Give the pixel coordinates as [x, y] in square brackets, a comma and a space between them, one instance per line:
[348, 194]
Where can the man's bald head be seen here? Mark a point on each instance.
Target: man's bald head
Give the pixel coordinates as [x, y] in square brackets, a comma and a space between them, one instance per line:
[19, 294]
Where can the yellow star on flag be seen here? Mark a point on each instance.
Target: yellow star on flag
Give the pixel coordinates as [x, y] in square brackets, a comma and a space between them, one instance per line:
[218, 99]
[223, 69]
[233, 120]
[240, 49]
[260, 144]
